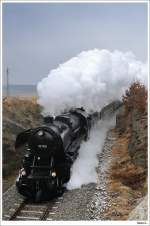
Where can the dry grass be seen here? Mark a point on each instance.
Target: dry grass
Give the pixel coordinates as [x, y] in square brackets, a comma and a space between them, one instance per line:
[8, 181]
[135, 97]
[125, 180]
[26, 112]
[23, 110]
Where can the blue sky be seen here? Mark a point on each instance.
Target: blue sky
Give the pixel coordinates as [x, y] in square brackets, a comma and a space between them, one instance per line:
[39, 37]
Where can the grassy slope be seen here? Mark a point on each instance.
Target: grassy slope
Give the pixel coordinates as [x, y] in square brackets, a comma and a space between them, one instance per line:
[128, 173]
[26, 112]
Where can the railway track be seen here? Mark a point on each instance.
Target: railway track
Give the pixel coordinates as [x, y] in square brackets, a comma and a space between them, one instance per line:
[27, 211]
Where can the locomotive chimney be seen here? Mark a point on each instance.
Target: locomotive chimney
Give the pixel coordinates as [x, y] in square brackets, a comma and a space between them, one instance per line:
[48, 119]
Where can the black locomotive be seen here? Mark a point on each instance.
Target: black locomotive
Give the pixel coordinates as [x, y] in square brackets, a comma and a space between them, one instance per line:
[50, 151]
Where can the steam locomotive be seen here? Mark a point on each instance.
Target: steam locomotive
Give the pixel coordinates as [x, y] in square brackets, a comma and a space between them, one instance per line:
[50, 151]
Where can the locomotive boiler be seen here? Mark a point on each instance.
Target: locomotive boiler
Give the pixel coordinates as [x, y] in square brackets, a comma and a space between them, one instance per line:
[50, 151]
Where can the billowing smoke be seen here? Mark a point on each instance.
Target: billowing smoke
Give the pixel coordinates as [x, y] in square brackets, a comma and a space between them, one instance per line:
[91, 79]
[84, 168]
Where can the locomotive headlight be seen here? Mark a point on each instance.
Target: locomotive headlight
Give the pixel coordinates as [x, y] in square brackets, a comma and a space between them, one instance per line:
[22, 172]
[40, 132]
[53, 174]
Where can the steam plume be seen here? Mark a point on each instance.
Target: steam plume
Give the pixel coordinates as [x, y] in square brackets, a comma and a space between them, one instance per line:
[84, 168]
[91, 79]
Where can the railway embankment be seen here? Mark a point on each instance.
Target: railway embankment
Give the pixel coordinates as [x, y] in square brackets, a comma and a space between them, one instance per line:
[127, 177]
[128, 172]
[18, 113]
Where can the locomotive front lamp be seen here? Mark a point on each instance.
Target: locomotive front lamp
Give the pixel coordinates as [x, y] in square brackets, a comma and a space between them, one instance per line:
[22, 172]
[40, 132]
[53, 174]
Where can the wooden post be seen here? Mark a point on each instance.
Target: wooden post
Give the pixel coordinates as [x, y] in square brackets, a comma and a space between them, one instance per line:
[7, 88]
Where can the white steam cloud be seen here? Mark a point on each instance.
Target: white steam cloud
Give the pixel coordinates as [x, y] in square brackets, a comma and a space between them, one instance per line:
[91, 79]
[84, 168]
